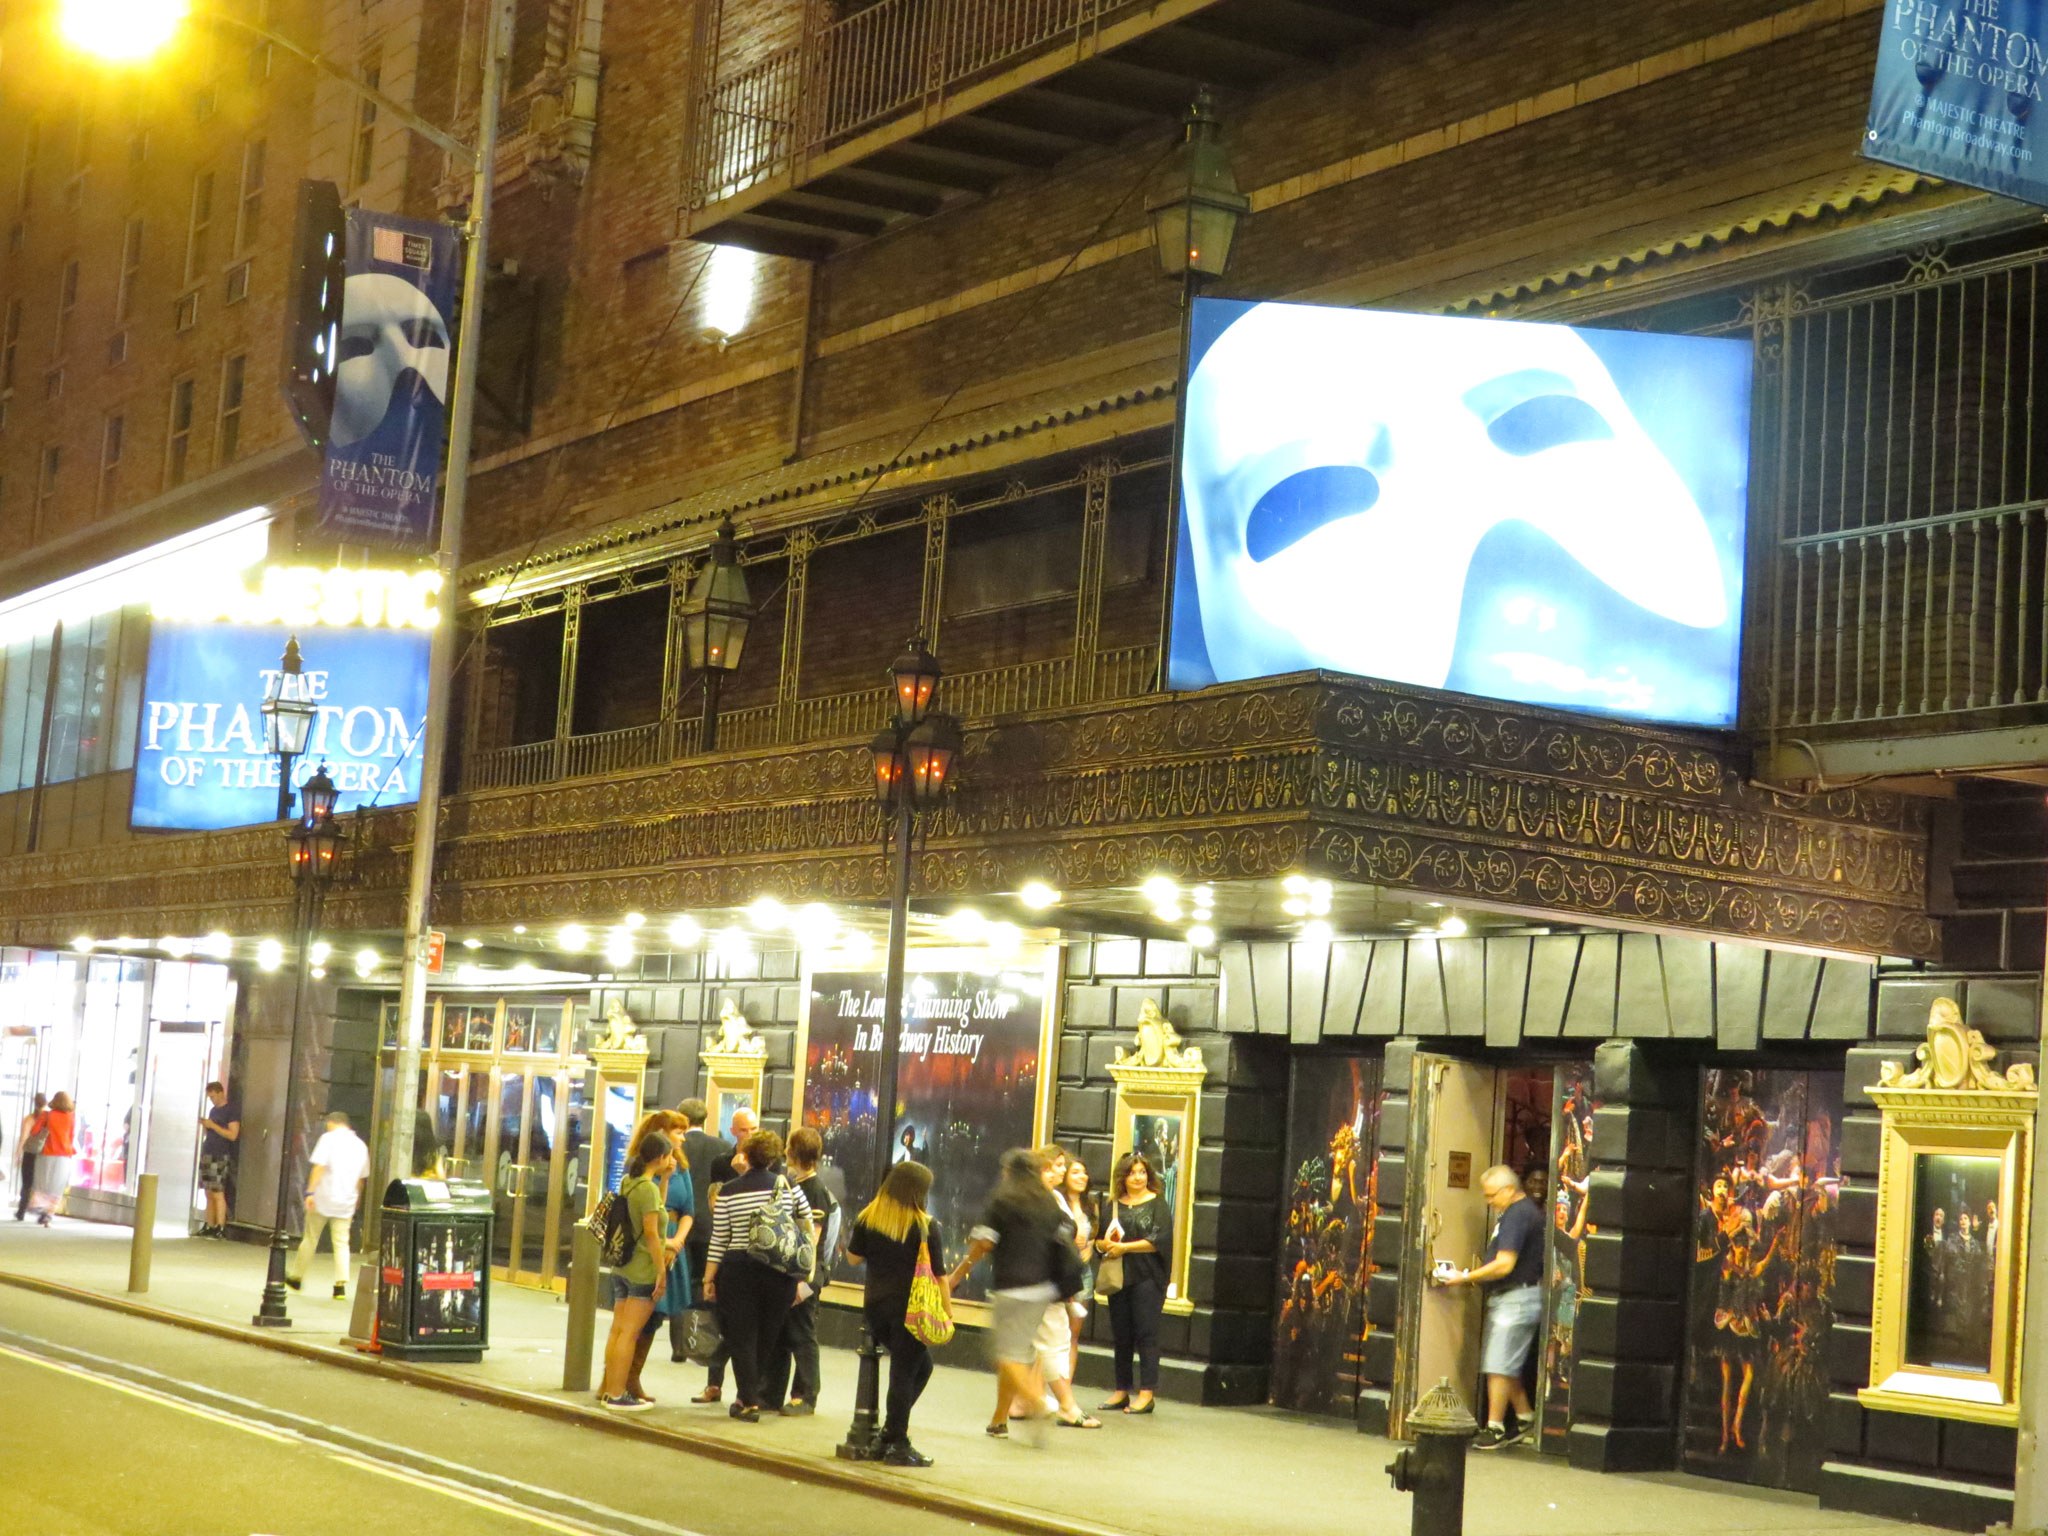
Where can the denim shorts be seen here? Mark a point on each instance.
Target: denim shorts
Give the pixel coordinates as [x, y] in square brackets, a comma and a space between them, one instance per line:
[1511, 1319]
[630, 1290]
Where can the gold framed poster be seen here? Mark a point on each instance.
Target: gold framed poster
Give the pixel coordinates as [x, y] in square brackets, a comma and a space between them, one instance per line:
[1954, 1184]
[1159, 1113]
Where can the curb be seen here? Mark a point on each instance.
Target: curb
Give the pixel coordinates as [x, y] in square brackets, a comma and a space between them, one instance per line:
[873, 1484]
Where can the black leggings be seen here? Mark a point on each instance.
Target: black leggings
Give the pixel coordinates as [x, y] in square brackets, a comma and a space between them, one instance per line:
[1134, 1315]
[910, 1367]
[753, 1304]
[28, 1180]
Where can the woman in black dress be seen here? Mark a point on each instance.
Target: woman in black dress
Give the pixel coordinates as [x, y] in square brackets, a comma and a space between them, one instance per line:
[887, 1237]
[1137, 1226]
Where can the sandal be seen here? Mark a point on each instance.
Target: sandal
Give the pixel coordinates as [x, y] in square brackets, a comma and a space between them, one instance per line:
[996, 1431]
[1079, 1421]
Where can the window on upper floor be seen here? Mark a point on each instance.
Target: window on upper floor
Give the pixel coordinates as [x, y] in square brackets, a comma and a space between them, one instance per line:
[249, 212]
[31, 153]
[228, 430]
[46, 486]
[131, 271]
[178, 440]
[112, 432]
[363, 156]
[67, 301]
[199, 220]
[10, 345]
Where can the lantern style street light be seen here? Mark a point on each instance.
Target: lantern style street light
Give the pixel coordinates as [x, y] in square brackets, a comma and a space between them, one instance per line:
[287, 721]
[1195, 210]
[313, 846]
[716, 615]
[913, 768]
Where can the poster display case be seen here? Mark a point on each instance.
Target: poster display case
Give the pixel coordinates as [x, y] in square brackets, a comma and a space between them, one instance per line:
[1158, 1114]
[1954, 1185]
[971, 1081]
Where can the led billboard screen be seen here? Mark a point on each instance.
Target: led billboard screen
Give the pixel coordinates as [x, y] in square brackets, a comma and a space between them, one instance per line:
[200, 762]
[1539, 513]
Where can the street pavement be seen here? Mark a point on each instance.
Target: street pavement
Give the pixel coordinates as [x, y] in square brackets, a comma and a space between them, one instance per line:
[1181, 1470]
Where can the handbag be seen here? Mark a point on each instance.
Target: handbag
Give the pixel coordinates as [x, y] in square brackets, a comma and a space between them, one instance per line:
[702, 1337]
[1109, 1272]
[929, 1316]
[38, 1137]
[779, 1240]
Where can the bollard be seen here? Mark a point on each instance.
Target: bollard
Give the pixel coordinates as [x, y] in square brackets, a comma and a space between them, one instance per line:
[584, 1262]
[144, 1236]
[1433, 1469]
[363, 1300]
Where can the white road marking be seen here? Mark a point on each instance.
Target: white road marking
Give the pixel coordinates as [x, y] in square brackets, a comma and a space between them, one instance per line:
[452, 1478]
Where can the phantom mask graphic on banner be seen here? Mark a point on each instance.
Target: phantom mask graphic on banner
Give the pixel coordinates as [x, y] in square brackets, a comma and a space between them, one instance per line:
[383, 468]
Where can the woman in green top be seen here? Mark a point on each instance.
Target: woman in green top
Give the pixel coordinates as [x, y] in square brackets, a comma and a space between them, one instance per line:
[642, 1281]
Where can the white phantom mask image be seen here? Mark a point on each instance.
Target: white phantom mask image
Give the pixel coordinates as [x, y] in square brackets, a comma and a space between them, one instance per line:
[387, 327]
[1342, 468]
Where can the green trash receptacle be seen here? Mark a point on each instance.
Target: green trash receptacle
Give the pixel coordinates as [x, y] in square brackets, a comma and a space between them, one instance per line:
[434, 1270]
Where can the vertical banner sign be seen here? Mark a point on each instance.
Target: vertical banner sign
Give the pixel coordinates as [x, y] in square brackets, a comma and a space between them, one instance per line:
[1958, 84]
[384, 450]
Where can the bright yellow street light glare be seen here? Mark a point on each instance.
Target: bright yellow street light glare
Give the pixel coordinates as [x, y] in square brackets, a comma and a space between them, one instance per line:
[120, 31]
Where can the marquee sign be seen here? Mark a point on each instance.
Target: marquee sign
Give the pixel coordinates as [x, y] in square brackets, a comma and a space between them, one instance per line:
[200, 763]
[304, 595]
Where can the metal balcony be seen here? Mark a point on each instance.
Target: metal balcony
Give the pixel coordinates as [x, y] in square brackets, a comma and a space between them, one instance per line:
[893, 110]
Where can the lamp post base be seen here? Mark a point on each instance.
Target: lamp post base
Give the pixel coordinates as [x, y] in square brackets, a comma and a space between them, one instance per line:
[272, 1313]
[863, 1440]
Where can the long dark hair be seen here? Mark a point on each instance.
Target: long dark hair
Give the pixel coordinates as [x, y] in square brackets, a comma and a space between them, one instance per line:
[1022, 1185]
[652, 1149]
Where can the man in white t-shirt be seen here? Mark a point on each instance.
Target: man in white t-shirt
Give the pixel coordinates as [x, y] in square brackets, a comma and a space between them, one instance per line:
[341, 1163]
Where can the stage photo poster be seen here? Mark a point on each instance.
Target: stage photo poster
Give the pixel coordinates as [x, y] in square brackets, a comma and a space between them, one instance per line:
[1767, 1187]
[1326, 1241]
[1568, 1193]
[968, 1087]
[1953, 1284]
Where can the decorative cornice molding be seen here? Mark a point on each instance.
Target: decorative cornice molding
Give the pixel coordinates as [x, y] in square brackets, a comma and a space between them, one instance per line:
[1461, 798]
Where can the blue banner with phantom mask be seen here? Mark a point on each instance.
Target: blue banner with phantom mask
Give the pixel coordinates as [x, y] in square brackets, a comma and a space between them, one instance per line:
[1958, 87]
[384, 451]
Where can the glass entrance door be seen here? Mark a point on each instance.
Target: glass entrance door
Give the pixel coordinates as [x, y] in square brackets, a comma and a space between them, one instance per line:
[507, 1155]
[540, 1176]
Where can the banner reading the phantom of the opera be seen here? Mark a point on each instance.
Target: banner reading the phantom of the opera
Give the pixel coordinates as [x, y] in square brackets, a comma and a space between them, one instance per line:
[383, 471]
[1957, 91]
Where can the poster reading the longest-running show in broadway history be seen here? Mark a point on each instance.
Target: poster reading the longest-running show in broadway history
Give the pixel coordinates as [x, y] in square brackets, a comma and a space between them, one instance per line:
[966, 1085]
[1958, 85]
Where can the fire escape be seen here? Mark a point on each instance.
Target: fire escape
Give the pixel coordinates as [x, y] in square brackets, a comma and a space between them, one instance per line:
[851, 118]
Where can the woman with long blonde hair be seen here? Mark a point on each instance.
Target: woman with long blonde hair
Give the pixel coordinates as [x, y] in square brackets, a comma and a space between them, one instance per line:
[888, 1237]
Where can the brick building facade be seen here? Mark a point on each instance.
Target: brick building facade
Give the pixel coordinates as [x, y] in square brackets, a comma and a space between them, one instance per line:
[918, 352]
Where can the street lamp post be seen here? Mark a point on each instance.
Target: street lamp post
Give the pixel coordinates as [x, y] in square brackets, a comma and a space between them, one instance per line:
[314, 846]
[1195, 211]
[913, 764]
[716, 615]
[129, 32]
[287, 721]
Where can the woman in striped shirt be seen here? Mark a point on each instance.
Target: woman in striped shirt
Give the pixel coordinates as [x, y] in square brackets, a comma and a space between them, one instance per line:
[753, 1299]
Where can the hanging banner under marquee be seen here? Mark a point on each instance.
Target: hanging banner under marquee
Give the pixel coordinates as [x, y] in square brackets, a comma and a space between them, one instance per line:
[391, 377]
[1958, 85]
[200, 763]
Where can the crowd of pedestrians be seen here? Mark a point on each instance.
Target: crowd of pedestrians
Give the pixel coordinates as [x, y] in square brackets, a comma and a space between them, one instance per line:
[736, 1239]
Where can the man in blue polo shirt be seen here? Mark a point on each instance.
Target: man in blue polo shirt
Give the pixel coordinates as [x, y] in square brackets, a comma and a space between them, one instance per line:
[1512, 1273]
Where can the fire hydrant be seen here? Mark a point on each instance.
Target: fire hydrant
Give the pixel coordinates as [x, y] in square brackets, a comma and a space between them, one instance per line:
[1433, 1469]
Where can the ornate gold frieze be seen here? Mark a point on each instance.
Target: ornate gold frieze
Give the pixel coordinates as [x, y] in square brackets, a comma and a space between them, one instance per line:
[1416, 791]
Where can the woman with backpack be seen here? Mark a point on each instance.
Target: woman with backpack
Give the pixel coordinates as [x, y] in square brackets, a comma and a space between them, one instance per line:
[892, 1233]
[642, 1280]
[762, 1243]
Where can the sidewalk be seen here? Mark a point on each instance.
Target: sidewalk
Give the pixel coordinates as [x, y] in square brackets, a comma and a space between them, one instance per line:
[1184, 1469]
